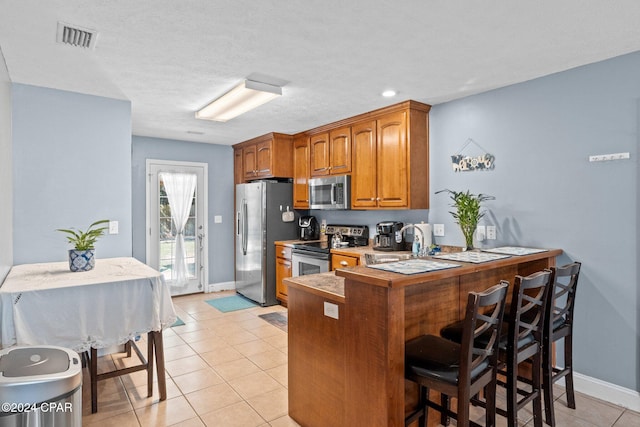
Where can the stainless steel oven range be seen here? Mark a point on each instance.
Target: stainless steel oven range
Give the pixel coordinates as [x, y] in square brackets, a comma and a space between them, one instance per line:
[315, 257]
[310, 258]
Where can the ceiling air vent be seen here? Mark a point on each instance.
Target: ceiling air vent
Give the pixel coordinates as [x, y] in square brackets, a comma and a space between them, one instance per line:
[76, 36]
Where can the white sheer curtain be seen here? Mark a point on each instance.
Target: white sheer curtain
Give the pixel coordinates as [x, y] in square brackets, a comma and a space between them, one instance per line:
[179, 188]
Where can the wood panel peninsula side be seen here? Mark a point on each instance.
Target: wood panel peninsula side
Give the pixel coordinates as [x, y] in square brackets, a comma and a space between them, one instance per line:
[347, 333]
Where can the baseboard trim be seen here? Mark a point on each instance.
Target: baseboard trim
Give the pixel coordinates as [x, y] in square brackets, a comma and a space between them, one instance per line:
[222, 286]
[608, 392]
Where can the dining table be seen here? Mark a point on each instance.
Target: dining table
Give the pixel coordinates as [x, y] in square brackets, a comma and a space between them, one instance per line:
[115, 303]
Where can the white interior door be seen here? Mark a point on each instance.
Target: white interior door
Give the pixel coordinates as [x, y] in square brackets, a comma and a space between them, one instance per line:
[162, 232]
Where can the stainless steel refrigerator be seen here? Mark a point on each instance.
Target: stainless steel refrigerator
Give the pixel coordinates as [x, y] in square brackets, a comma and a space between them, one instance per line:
[259, 223]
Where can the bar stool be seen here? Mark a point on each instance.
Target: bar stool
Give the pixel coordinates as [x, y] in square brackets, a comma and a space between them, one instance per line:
[521, 340]
[459, 370]
[559, 325]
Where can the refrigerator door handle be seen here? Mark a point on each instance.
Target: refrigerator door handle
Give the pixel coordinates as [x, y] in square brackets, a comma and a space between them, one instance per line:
[245, 227]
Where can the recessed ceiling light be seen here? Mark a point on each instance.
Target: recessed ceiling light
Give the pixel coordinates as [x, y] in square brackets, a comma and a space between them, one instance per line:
[389, 93]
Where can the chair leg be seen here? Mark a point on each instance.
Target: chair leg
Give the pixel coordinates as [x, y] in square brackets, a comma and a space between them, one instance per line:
[536, 388]
[512, 391]
[490, 407]
[150, 348]
[93, 369]
[547, 384]
[463, 406]
[424, 396]
[568, 363]
[444, 401]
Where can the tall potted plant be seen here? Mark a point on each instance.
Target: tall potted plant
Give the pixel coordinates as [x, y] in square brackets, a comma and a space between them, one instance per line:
[467, 212]
[81, 257]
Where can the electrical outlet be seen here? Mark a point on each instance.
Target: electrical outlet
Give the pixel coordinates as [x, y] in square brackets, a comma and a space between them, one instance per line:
[481, 232]
[217, 219]
[331, 310]
[438, 229]
[113, 227]
[491, 232]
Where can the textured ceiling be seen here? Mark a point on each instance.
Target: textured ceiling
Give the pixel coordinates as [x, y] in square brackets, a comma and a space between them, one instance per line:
[170, 57]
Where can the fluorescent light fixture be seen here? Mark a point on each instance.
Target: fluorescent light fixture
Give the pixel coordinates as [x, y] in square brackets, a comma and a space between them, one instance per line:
[242, 98]
[389, 93]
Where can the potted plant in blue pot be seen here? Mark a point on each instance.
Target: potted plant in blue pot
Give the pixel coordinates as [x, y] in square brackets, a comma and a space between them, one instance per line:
[81, 257]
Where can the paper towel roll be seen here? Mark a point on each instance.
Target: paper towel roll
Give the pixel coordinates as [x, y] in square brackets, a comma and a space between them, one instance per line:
[426, 232]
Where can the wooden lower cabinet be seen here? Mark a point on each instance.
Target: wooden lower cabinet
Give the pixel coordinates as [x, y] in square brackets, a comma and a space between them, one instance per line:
[342, 261]
[316, 361]
[283, 271]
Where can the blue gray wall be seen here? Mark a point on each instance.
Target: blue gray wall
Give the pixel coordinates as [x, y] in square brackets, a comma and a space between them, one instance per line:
[71, 166]
[6, 184]
[548, 194]
[220, 195]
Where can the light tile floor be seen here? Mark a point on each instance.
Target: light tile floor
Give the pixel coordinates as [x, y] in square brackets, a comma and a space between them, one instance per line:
[230, 369]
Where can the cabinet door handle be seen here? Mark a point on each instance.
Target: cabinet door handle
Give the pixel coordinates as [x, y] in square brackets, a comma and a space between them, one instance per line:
[373, 198]
[344, 263]
[378, 198]
[283, 253]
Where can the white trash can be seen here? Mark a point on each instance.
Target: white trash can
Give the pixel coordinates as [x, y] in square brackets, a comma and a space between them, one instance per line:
[40, 386]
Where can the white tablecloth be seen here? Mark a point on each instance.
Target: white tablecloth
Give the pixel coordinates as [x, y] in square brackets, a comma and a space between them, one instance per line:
[118, 300]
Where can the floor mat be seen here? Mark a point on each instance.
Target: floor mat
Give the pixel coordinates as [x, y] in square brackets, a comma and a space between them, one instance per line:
[178, 322]
[232, 303]
[279, 320]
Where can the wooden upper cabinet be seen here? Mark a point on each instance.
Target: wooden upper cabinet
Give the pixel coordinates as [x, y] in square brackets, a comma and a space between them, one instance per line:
[391, 160]
[364, 178]
[249, 162]
[331, 152]
[393, 191]
[238, 169]
[268, 156]
[320, 154]
[301, 159]
[340, 151]
[264, 158]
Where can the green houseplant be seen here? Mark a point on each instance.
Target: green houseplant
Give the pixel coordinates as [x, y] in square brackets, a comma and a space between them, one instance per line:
[467, 212]
[81, 257]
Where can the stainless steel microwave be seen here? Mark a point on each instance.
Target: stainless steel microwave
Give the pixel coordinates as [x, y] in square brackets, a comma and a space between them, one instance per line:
[331, 192]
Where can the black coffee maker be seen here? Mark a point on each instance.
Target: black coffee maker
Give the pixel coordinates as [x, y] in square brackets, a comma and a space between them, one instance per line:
[389, 236]
[309, 228]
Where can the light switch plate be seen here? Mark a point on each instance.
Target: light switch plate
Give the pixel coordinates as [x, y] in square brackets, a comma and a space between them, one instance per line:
[438, 229]
[113, 227]
[481, 233]
[217, 219]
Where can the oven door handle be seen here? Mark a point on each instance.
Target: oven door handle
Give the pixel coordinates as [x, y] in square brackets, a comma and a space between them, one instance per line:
[312, 255]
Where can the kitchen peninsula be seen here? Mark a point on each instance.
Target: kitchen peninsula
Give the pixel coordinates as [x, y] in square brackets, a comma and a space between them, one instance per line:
[347, 333]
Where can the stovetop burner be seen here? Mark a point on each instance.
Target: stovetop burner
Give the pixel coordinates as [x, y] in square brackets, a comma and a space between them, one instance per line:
[322, 247]
[354, 235]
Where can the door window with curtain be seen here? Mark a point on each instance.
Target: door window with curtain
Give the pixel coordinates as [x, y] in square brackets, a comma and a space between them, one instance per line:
[176, 210]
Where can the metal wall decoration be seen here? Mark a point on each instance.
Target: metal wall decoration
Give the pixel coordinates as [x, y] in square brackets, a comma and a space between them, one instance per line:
[466, 163]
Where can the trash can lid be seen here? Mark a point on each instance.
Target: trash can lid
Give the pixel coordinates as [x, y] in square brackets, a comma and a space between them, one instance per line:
[29, 361]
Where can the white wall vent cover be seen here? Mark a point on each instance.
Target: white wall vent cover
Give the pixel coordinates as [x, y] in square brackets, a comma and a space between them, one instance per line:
[76, 36]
